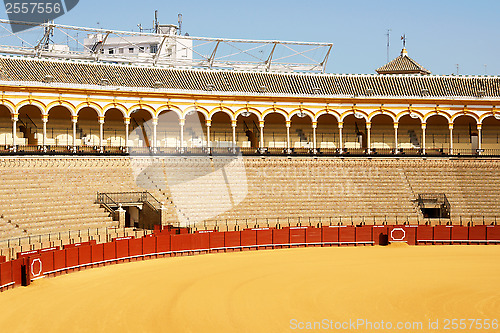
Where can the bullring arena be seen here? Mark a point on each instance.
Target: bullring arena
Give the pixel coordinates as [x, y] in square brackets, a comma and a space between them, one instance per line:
[155, 198]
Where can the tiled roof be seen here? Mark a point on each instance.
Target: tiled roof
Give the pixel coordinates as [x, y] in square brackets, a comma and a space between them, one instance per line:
[226, 81]
[403, 65]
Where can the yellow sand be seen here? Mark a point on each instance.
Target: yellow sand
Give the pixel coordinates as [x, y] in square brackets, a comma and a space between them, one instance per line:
[265, 291]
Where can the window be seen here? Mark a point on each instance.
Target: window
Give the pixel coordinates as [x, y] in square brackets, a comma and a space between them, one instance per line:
[141, 49]
[111, 51]
[153, 48]
[130, 50]
[120, 50]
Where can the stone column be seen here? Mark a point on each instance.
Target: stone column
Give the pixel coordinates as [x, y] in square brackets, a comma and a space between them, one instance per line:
[101, 131]
[233, 125]
[181, 124]
[155, 124]
[314, 126]
[261, 125]
[451, 138]
[396, 125]
[74, 120]
[479, 136]
[424, 125]
[288, 124]
[45, 119]
[126, 120]
[368, 137]
[15, 118]
[341, 125]
[209, 124]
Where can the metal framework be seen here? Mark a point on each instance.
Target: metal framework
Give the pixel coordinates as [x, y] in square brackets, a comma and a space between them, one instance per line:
[259, 55]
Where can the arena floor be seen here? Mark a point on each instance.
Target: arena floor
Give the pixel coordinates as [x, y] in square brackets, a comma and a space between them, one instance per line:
[270, 291]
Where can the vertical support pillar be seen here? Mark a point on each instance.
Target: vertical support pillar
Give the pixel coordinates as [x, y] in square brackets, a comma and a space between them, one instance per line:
[155, 125]
[368, 137]
[261, 125]
[181, 124]
[424, 125]
[101, 131]
[314, 126]
[233, 125]
[45, 119]
[479, 137]
[74, 120]
[341, 125]
[396, 125]
[209, 124]
[15, 117]
[451, 138]
[288, 124]
[126, 120]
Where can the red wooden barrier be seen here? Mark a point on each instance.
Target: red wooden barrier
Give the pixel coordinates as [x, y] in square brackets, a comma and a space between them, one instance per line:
[59, 259]
[248, 237]
[109, 251]
[180, 242]
[90, 242]
[200, 241]
[378, 233]
[280, 237]
[97, 252]
[330, 234]
[6, 273]
[493, 233]
[477, 234]
[347, 234]
[47, 259]
[411, 234]
[163, 243]
[3, 259]
[424, 234]
[16, 270]
[232, 239]
[364, 234]
[442, 234]
[313, 236]
[84, 254]
[71, 257]
[459, 234]
[35, 267]
[216, 240]
[135, 247]
[265, 237]
[26, 253]
[121, 248]
[297, 235]
[148, 245]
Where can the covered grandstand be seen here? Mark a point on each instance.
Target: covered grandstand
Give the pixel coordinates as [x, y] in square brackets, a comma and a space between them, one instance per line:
[89, 148]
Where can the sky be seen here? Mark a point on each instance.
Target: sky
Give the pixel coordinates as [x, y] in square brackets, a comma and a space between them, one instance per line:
[439, 33]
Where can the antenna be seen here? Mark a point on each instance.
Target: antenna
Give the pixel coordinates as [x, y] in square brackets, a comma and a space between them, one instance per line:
[156, 26]
[140, 27]
[388, 42]
[403, 38]
[457, 68]
[179, 21]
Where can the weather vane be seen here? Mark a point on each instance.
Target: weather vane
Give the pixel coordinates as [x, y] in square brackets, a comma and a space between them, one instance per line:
[403, 38]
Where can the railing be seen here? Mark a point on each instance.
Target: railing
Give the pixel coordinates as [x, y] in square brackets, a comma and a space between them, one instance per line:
[124, 198]
[435, 199]
[207, 151]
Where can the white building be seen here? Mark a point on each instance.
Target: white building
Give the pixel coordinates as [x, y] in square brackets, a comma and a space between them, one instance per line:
[166, 47]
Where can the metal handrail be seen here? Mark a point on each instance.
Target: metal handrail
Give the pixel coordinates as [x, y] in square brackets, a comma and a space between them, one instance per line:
[117, 198]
